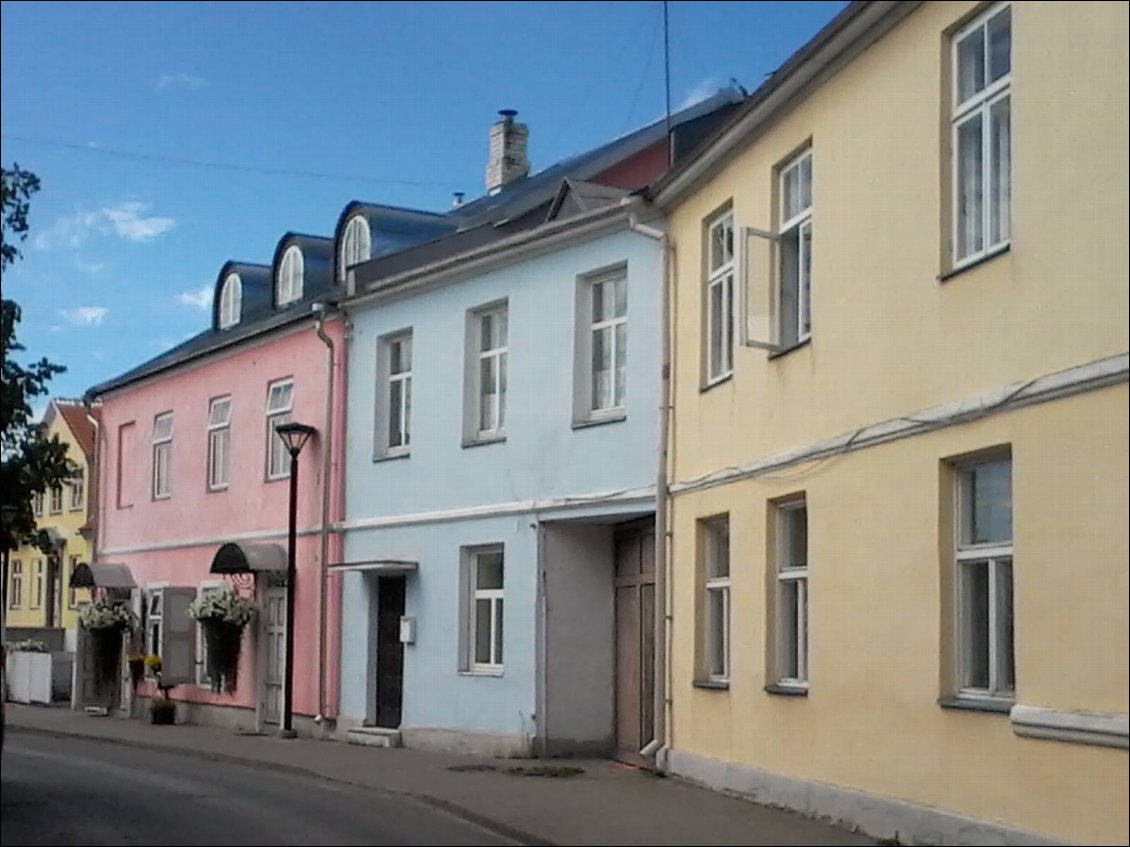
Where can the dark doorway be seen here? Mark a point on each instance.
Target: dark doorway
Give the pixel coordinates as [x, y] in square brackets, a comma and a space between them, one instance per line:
[54, 595]
[390, 651]
[635, 639]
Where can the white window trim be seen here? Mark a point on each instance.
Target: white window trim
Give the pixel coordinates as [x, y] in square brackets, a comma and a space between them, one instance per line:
[78, 490]
[385, 449]
[291, 276]
[356, 229]
[38, 501]
[214, 429]
[15, 584]
[36, 591]
[981, 104]
[201, 675]
[799, 222]
[72, 592]
[159, 446]
[493, 595]
[721, 277]
[274, 418]
[151, 589]
[609, 325]
[55, 503]
[800, 577]
[501, 357]
[717, 584]
[231, 301]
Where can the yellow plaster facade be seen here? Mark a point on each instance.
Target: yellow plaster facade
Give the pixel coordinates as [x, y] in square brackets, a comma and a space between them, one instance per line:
[38, 592]
[894, 334]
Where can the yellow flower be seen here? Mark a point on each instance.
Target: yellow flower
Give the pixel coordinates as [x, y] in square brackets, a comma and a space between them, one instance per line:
[153, 662]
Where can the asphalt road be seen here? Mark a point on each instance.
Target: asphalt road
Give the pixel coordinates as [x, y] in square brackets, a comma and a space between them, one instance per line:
[63, 791]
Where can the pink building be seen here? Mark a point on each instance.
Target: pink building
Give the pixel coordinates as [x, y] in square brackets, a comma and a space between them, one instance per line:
[189, 462]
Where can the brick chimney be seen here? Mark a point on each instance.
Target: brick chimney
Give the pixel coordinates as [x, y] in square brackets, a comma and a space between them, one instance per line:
[508, 160]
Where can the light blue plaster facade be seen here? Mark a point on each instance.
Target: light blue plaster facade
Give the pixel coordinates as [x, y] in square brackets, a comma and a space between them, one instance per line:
[443, 497]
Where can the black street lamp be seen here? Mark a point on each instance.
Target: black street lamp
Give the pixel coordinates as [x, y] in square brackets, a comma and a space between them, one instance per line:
[294, 436]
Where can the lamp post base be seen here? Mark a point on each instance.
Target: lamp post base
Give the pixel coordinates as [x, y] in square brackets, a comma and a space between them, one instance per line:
[287, 733]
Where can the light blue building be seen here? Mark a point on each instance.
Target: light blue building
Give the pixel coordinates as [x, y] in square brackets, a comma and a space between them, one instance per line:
[503, 410]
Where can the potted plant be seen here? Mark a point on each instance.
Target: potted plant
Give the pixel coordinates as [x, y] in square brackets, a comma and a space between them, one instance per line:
[136, 662]
[222, 616]
[162, 710]
[106, 621]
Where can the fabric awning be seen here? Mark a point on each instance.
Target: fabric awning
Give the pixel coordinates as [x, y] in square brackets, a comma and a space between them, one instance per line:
[381, 567]
[102, 575]
[249, 558]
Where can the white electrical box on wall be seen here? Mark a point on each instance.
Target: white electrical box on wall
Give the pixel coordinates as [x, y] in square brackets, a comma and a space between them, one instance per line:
[407, 630]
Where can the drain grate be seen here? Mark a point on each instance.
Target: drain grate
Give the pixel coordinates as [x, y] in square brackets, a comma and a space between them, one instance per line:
[471, 768]
[552, 771]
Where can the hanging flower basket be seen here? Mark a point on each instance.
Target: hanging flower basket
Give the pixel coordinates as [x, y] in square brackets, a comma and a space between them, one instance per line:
[136, 663]
[222, 616]
[106, 623]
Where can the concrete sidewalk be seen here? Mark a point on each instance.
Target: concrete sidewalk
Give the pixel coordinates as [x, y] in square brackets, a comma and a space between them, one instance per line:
[606, 804]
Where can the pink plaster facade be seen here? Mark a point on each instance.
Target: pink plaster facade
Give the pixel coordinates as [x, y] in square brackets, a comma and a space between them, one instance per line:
[172, 541]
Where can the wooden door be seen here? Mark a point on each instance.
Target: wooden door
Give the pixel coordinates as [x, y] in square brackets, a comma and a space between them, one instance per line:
[635, 640]
[274, 643]
[390, 651]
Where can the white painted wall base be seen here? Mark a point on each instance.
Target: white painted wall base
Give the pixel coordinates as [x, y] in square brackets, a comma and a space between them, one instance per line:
[29, 677]
[467, 742]
[881, 817]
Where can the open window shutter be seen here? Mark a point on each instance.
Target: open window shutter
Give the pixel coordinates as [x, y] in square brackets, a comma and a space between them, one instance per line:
[178, 638]
[759, 324]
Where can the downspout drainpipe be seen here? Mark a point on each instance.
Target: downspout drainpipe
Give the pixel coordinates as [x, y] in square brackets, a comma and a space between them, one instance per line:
[657, 745]
[324, 531]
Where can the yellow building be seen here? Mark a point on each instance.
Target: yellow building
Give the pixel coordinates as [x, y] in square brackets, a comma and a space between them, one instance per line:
[897, 458]
[39, 593]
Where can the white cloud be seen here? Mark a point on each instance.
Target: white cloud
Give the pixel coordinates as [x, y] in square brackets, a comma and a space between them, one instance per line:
[126, 220]
[88, 266]
[85, 315]
[705, 88]
[182, 80]
[200, 297]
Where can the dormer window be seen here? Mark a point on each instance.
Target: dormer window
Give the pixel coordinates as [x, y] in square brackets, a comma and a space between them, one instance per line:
[356, 245]
[231, 299]
[288, 285]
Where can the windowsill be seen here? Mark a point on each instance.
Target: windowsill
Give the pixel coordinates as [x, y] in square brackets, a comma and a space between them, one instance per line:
[714, 383]
[159, 498]
[988, 257]
[495, 672]
[977, 704]
[276, 478]
[787, 690]
[485, 440]
[784, 351]
[388, 457]
[713, 684]
[600, 421]
[220, 490]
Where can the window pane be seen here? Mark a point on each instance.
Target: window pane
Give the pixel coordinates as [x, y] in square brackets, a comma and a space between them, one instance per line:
[988, 503]
[716, 336]
[602, 368]
[486, 332]
[1006, 674]
[788, 595]
[970, 225]
[975, 625]
[796, 537]
[1000, 44]
[407, 382]
[488, 388]
[498, 631]
[971, 64]
[621, 296]
[719, 549]
[482, 632]
[805, 282]
[621, 364]
[220, 412]
[727, 323]
[721, 243]
[806, 182]
[395, 413]
[1000, 174]
[717, 635]
[488, 573]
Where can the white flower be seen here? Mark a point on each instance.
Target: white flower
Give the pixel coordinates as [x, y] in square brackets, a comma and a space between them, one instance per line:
[106, 615]
[226, 606]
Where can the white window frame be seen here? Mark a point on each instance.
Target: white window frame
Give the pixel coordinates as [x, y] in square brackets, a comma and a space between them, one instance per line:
[72, 592]
[291, 275]
[35, 599]
[609, 326]
[356, 245]
[385, 448]
[78, 489]
[496, 597]
[154, 599]
[716, 572]
[37, 503]
[796, 227]
[55, 505]
[15, 584]
[796, 575]
[720, 278]
[995, 556]
[278, 413]
[202, 679]
[162, 452]
[980, 105]
[219, 443]
[498, 359]
[231, 301]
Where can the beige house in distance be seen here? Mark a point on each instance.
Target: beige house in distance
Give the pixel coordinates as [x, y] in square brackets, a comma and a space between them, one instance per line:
[897, 461]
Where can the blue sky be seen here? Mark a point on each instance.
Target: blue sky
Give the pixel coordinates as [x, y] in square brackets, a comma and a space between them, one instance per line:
[306, 106]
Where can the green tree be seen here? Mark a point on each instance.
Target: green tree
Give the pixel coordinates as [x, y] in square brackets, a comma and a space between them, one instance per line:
[31, 463]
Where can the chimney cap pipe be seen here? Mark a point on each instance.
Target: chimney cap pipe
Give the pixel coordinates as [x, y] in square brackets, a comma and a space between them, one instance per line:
[508, 113]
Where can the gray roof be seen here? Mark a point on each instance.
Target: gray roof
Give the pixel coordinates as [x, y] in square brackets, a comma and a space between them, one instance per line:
[393, 228]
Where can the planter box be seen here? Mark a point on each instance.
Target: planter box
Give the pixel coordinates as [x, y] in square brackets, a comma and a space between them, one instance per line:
[29, 677]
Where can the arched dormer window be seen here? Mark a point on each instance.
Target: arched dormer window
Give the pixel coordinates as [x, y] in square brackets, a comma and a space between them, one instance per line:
[288, 285]
[231, 300]
[356, 245]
